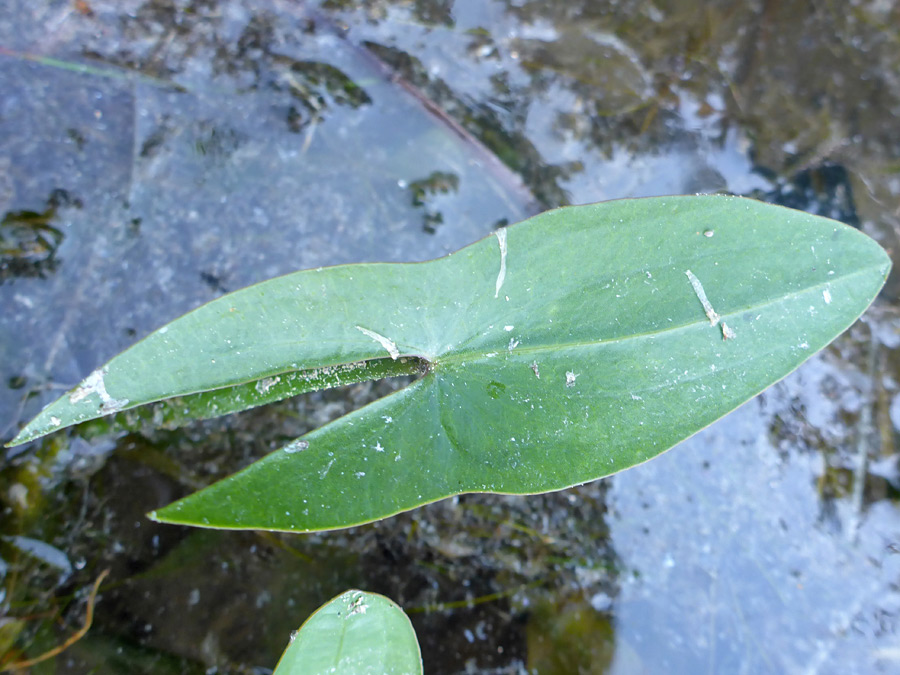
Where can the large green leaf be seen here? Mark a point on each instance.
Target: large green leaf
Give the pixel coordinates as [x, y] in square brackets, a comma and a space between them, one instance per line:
[356, 633]
[565, 348]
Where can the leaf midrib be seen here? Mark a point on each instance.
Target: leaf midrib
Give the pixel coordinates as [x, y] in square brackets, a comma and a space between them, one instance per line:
[456, 357]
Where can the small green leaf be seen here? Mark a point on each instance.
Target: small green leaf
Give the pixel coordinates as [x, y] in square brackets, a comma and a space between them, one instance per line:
[356, 633]
[559, 350]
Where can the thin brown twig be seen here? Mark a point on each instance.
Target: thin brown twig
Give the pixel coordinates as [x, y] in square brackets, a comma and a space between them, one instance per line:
[75, 637]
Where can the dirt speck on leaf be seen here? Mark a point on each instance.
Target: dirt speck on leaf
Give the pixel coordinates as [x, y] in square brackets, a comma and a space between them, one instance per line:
[264, 385]
[357, 605]
[296, 446]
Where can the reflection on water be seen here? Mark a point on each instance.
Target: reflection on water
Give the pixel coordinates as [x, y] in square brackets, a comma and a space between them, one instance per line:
[214, 144]
[826, 190]
[29, 240]
[426, 193]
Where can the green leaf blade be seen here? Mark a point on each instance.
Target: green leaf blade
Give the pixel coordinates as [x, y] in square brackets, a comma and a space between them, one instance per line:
[569, 347]
[342, 475]
[356, 633]
[258, 333]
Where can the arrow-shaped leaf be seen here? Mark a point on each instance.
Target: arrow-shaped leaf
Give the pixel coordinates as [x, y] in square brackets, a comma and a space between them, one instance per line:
[564, 348]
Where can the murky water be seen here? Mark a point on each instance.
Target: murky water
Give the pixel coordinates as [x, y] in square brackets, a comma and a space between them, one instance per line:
[154, 155]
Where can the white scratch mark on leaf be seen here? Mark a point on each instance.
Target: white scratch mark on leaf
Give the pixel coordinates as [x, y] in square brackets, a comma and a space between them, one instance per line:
[513, 343]
[501, 276]
[385, 342]
[701, 295]
[827, 295]
[324, 472]
[95, 384]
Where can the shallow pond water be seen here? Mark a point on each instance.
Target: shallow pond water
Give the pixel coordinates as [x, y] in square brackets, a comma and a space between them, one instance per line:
[158, 154]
